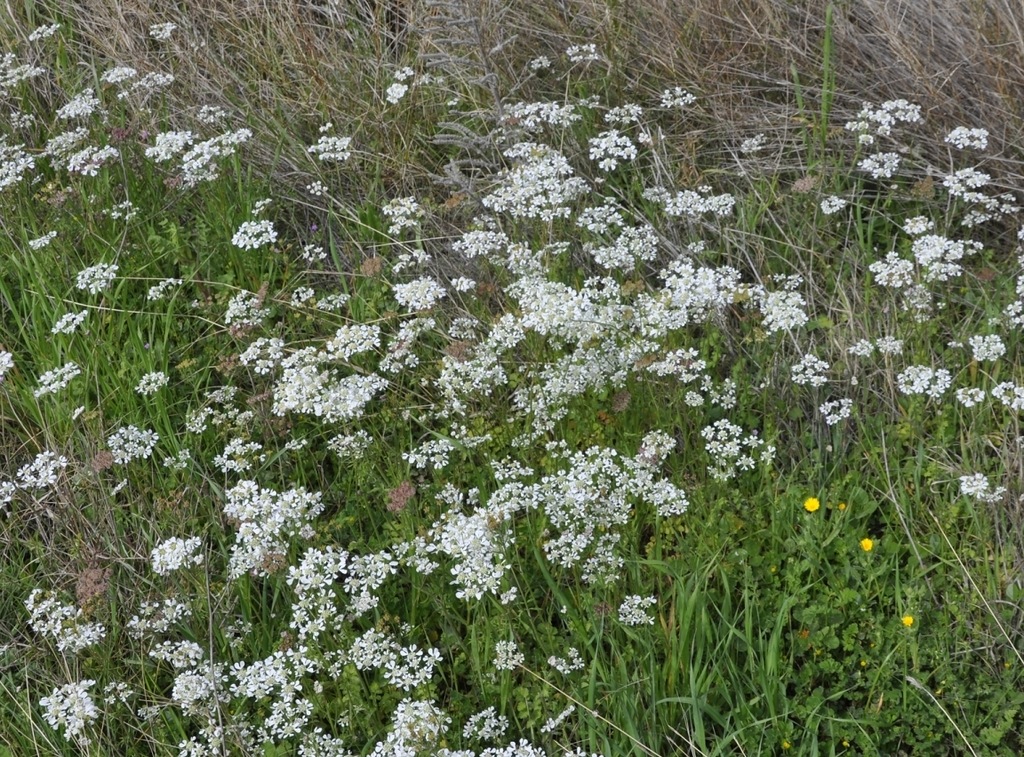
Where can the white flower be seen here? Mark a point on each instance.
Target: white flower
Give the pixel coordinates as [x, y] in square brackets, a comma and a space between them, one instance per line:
[158, 291]
[977, 486]
[252, 235]
[80, 106]
[755, 144]
[53, 381]
[6, 363]
[987, 347]
[131, 443]
[961, 137]
[609, 147]
[810, 370]
[331, 148]
[43, 241]
[71, 707]
[151, 383]
[69, 322]
[921, 379]
[162, 32]
[918, 225]
[42, 32]
[175, 553]
[396, 92]
[421, 294]
[507, 655]
[677, 97]
[96, 278]
[836, 410]
[832, 204]
[881, 165]
[582, 53]
[970, 396]
[41, 473]
[633, 610]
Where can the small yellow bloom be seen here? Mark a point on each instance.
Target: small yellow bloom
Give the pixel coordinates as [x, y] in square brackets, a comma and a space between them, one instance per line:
[867, 544]
[842, 506]
[908, 620]
[786, 744]
[811, 504]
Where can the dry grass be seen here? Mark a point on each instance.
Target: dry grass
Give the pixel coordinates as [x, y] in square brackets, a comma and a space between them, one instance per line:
[293, 62]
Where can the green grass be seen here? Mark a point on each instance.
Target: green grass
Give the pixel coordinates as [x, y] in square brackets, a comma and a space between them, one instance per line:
[885, 621]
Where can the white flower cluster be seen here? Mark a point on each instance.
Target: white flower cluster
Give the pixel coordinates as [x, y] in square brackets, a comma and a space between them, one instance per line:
[970, 396]
[330, 148]
[836, 410]
[96, 278]
[118, 74]
[810, 370]
[169, 144]
[43, 32]
[157, 291]
[245, 309]
[157, 617]
[507, 655]
[976, 486]
[266, 520]
[14, 162]
[962, 137]
[71, 707]
[755, 144]
[235, 459]
[404, 213]
[691, 204]
[175, 553]
[677, 97]
[609, 147]
[88, 162]
[832, 205]
[263, 355]
[43, 241]
[485, 725]
[987, 347]
[878, 122]
[922, 379]
[1010, 395]
[64, 624]
[783, 310]
[541, 186]
[420, 294]
[199, 164]
[42, 472]
[81, 105]
[633, 245]
[633, 610]
[57, 379]
[132, 443]
[569, 664]
[69, 322]
[252, 235]
[918, 225]
[582, 53]
[730, 450]
[940, 258]
[350, 446]
[532, 117]
[151, 383]
[162, 32]
[881, 165]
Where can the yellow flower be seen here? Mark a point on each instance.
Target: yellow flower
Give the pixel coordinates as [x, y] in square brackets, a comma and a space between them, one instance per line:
[842, 506]
[867, 544]
[908, 620]
[786, 744]
[811, 504]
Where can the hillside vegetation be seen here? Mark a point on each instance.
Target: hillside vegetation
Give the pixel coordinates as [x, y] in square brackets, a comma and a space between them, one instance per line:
[493, 379]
